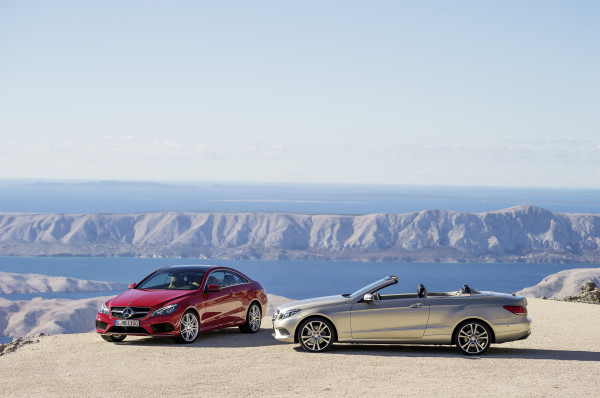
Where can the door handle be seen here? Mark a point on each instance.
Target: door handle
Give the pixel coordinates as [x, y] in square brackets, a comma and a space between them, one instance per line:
[416, 305]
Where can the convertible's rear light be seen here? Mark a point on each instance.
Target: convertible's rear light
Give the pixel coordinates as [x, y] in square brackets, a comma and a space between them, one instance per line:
[516, 309]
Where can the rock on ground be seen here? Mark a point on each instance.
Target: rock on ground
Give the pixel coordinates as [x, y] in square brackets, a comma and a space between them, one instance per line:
[588, 293]
[19, 342]
[563, 283]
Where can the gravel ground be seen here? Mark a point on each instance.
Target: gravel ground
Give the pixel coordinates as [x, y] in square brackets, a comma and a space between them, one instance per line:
[561, 358]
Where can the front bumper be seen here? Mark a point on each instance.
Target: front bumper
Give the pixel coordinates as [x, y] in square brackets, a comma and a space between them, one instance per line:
[161, 326]
[285, 329]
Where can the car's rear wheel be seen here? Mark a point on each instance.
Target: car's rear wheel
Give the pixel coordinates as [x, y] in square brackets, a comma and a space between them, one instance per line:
[188, 328]
[316, 335]
[253, 319]
[473, 337]
[115, 338]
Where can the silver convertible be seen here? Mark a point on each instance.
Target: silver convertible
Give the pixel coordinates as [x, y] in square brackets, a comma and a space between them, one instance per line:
[468, 318]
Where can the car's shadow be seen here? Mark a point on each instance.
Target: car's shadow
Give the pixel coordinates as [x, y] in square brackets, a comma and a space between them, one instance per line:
[229, 337]
[447, 351]
[233, 338]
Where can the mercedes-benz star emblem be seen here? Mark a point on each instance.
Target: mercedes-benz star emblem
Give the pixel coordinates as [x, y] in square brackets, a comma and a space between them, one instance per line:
[127, 313]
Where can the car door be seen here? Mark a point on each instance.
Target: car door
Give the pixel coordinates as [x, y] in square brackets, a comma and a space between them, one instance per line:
[391, 319]
[238, 289]
[217, 305]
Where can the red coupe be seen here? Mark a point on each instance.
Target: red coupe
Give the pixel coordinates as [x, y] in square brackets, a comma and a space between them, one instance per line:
[182, 300]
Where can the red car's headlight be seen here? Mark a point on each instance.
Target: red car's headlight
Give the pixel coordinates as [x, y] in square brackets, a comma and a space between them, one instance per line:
[103, 309]
[166, 310]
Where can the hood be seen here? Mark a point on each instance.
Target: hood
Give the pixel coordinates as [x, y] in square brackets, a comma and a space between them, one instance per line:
[148, 298]
[314, 302]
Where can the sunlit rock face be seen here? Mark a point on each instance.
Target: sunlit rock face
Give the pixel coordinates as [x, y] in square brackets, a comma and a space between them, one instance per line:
[523, 233]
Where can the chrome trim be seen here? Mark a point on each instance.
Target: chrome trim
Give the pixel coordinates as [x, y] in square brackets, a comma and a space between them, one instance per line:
[119, 313]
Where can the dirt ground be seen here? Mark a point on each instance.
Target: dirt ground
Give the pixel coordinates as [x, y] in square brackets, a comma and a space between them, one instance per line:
[561, 358]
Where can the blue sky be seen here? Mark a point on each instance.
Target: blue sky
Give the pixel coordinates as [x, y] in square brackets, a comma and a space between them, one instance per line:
[499, 93]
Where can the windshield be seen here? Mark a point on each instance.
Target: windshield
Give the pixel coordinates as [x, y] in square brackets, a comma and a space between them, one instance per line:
[173, 280]
[369, 288]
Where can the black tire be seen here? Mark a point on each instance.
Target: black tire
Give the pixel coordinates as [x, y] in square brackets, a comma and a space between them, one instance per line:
[316, 334]
[473, 337]
[115, 338]
[189, 327]
[253, 319]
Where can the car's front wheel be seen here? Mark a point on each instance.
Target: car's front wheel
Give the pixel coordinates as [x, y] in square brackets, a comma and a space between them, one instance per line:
[188, 328]
[316, 335]
[115, 338]
[473, 337]
[253, 319]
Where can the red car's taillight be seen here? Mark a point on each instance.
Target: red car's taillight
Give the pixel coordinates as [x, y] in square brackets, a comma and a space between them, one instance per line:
[516, 309]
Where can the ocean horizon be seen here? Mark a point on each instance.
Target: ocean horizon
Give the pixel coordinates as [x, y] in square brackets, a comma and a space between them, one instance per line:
[45, 196]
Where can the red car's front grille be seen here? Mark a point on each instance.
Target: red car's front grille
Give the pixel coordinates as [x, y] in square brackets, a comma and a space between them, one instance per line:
[128, 329]
[136, 312]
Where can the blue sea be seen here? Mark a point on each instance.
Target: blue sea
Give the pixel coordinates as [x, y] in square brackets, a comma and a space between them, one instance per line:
[123, 197]
[295, 279]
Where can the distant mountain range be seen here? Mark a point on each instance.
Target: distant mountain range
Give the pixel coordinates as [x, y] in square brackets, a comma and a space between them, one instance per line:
[523, 233]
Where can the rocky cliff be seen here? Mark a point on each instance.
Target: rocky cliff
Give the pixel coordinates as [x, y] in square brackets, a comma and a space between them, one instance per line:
[28, 317]
[11, 283]
[523, 233]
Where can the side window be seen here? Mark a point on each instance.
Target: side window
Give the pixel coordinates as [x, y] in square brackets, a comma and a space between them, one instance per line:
[230, 278]
[216, 278]
[238, 278]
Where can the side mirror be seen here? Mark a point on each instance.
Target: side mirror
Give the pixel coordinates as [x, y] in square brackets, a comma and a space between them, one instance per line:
[368, 298]
[131, 285]
[213, 288]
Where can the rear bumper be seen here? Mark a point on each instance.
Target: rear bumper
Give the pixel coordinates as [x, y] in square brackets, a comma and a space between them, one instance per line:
[513, 331]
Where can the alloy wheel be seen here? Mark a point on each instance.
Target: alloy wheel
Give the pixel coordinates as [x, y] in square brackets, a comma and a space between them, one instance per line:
[316, 336]
[189, 327]
[473, 338]
[254, 318]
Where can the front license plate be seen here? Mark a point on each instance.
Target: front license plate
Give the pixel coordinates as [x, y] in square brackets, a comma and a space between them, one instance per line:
[124, 322]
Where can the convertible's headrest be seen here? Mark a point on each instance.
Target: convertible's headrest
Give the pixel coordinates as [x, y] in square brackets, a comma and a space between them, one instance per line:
[421, 291]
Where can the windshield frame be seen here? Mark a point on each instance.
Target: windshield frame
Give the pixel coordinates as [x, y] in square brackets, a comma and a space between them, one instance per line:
[377, 285]
[168, 272]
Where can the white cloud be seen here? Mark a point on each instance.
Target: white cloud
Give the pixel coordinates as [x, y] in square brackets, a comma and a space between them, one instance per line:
[116, 138]
[534, 162]
[166, 144]
[8, 147]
